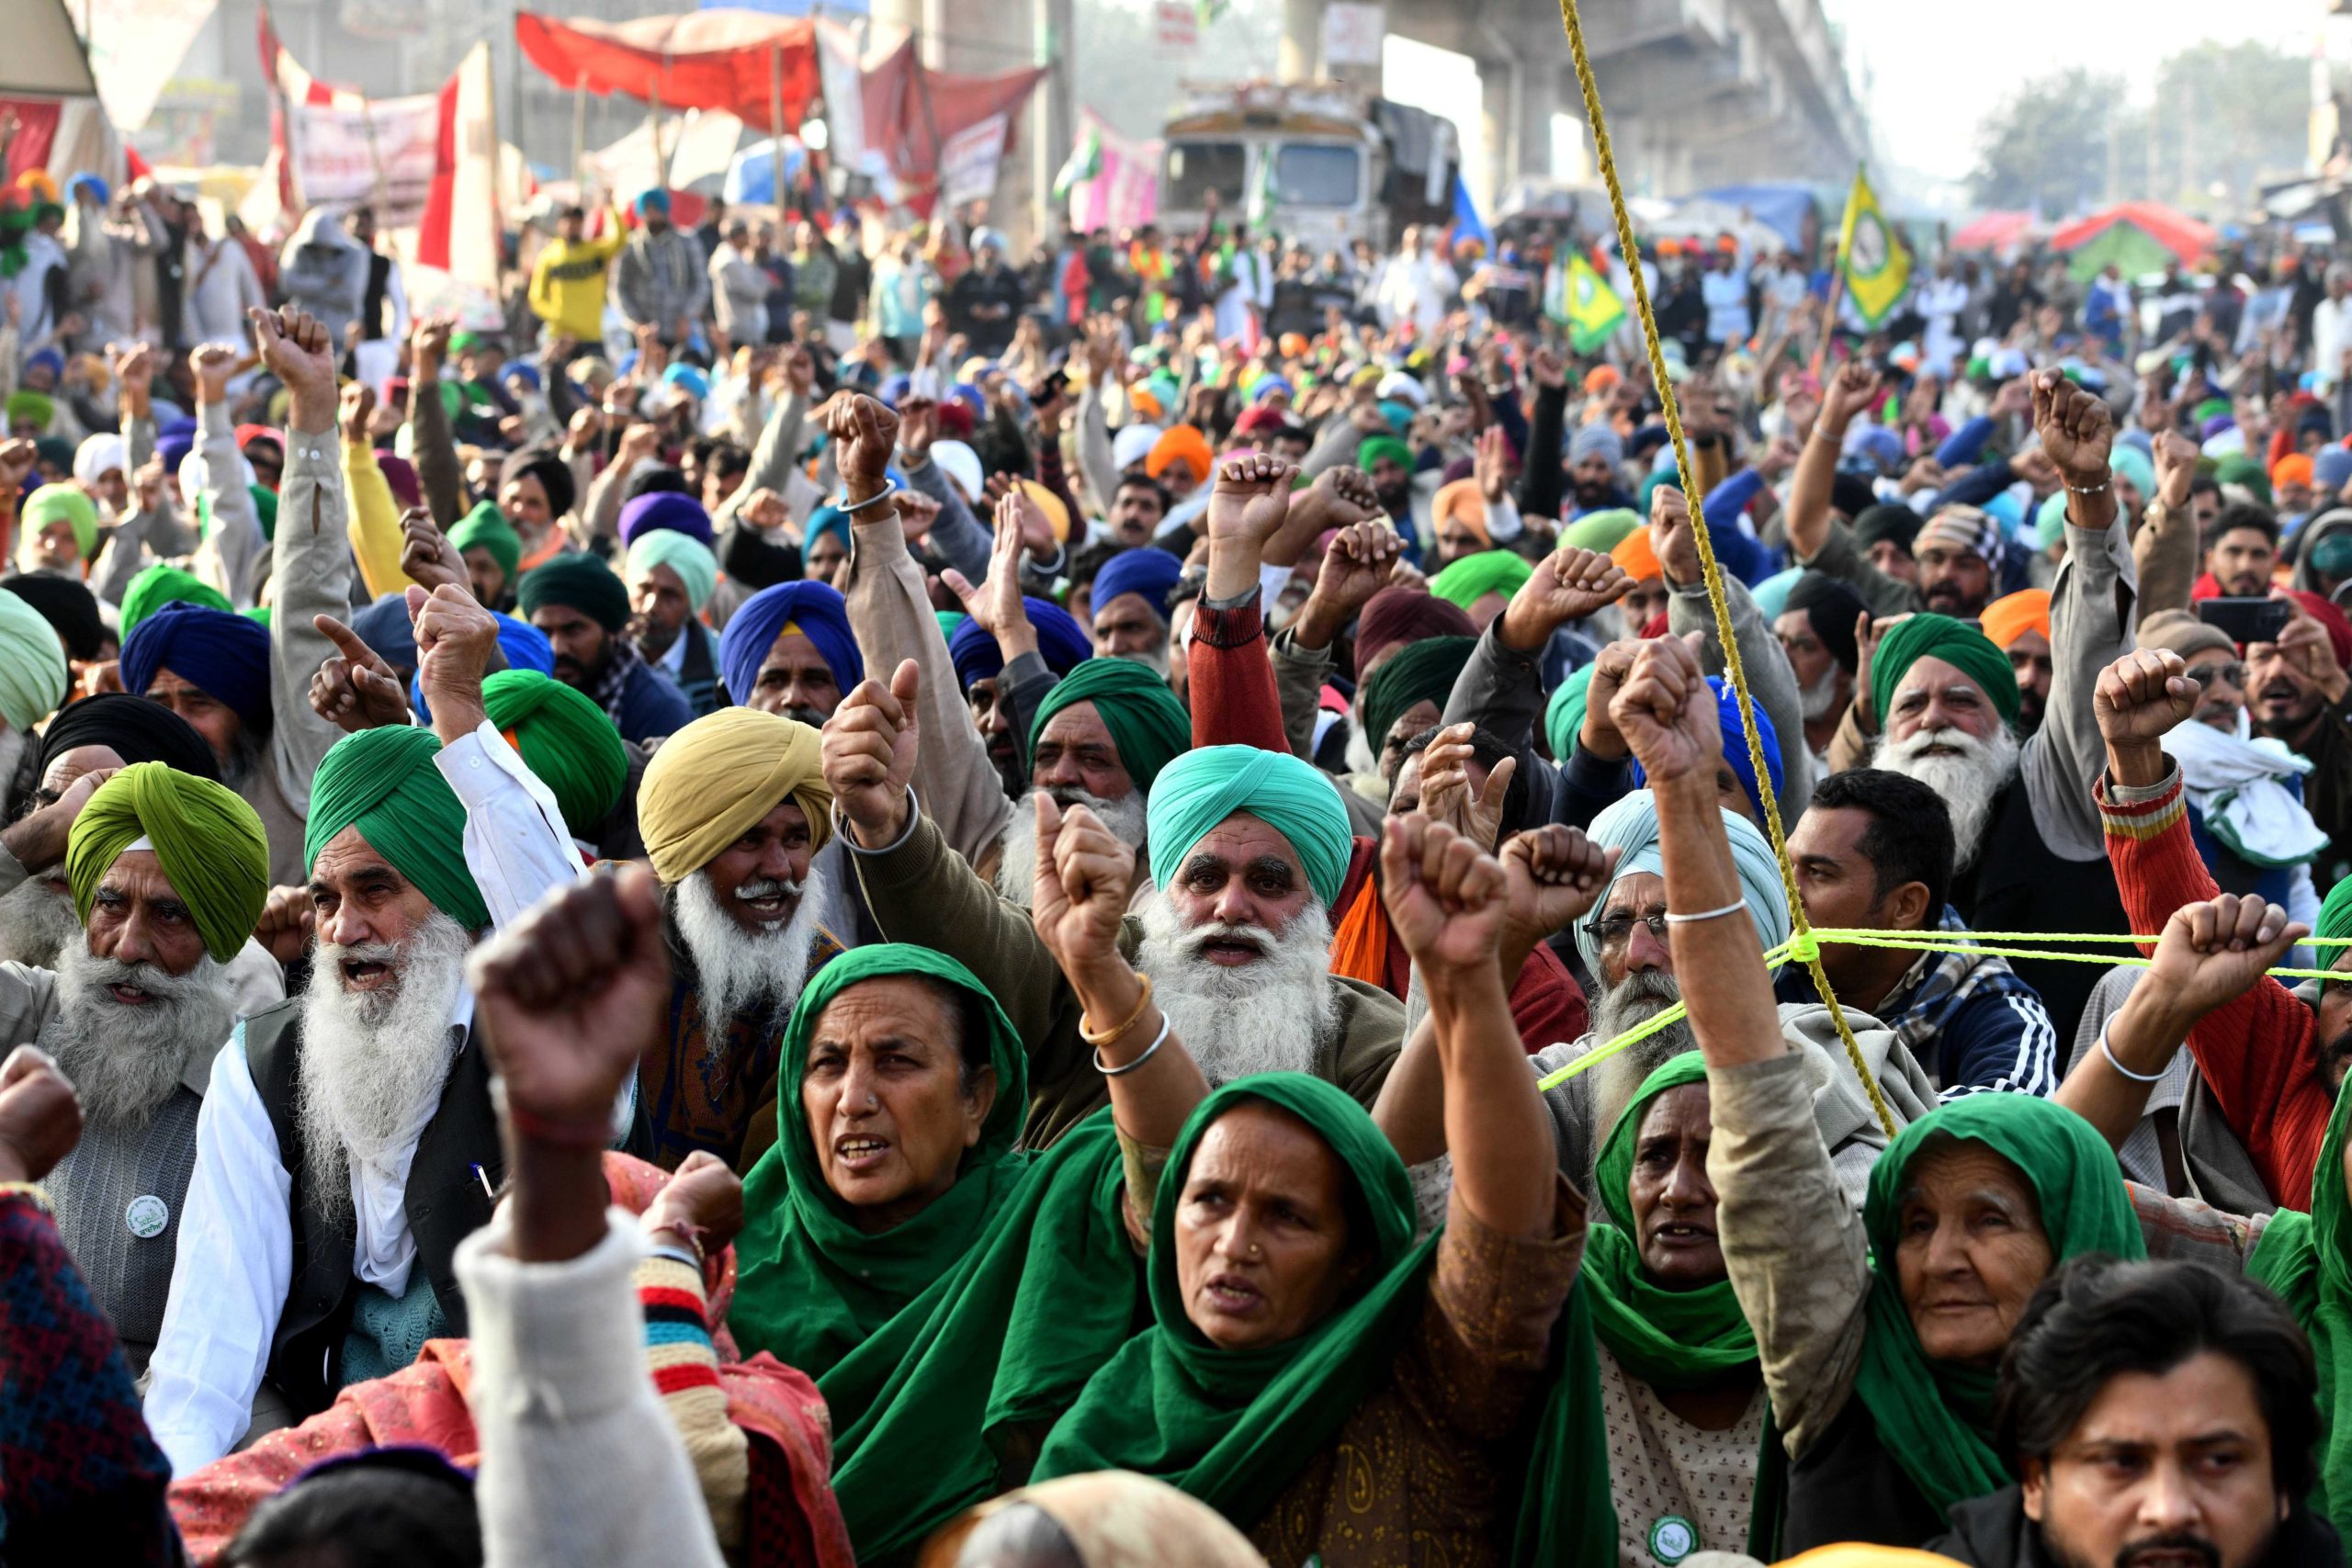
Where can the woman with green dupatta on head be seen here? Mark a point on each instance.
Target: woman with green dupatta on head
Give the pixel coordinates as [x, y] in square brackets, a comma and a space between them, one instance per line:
[1336, 1391]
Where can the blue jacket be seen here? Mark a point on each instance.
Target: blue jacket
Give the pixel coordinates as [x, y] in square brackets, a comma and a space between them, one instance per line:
[652, 707]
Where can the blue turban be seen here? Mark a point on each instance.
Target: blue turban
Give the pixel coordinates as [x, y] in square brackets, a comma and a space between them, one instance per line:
[1203, 787]
[820, 614]
[1061, 642]
[526, 647]
[654, 200]
[224, 656]
[826, 519]
[1772, 595]
[96, 187]
[173, 448]
[1631, 824]
[697, 384]
[1736, 742]
[894, 391]
[1267, 385]
[665, 509]
[386, 628]
[1149, 570]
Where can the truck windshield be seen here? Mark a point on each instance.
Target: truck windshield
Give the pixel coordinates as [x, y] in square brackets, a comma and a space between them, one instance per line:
[1196, 168]
[1309, 175]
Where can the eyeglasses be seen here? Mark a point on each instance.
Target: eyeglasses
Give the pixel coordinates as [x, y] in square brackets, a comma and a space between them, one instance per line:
[1612, 932]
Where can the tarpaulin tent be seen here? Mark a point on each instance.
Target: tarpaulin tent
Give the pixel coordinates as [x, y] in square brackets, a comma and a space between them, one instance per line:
[762, 69]
[45, 81]
[1782, 206]
[2136, 237]
[911, 112]
[1995, 231]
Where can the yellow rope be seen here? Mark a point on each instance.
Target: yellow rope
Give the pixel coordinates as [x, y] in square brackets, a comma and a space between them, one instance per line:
[1802, 944]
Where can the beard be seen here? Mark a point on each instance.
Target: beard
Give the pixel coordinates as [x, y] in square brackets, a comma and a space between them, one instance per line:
[1968, 773]
[123, 1059]
[1271, 1016]
[373, 1061]
[244, 758]
[37, 923]
[1154, 659]
[1819, 701]
[735, 967]
[13, 743]
[1640, 996]
[1016, 870]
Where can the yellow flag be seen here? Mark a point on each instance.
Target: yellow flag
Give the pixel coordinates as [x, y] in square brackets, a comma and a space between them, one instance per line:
[1876, 265]
[1588, 305]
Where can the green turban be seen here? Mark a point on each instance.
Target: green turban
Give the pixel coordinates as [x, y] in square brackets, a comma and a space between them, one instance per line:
[1147, 723]
[28, 406]
[1374, 448]
[2049, 521]
[383, 782]
[486, 528]
[209, 844]
[1564, 715]
[1601, 531]
[2336, 921]
[32, 665]
[158, 585]
[63, 503]
[949, 620]
[581, 582]
[2131, 463]
[1472, 577]
[2241, 469]
[1203, 787]
[264, 508]
[1423, 670]
[1956, 643]
[565, 739]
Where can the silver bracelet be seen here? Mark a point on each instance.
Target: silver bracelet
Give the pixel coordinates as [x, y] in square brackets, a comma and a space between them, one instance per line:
[1674, 919]
[2108, 1051]
[1157, 1041]
[2094, 490]
[889, 488]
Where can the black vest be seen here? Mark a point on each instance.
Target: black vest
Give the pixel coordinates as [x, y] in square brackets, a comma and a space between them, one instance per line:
[2020, 885]
[375, 315]
[444, 1202]
[1849, 1487]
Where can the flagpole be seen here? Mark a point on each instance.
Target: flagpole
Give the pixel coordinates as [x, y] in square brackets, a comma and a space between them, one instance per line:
[1837, 276]
[775, 126]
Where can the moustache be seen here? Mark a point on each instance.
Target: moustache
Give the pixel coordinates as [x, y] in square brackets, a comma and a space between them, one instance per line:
[1200, 937]
[766, 887]
[2170, 1543]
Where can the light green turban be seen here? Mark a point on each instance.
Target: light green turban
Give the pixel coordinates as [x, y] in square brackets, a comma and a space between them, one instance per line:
[2130, 462]
[486, 528]
[2050, 520]
[1959, 645]
[565, 739]
[158, 585]
[1147, 723]
[696, 568]
[1772, 595]
[1202, 788]
[32, 665]
[383, 782]
[209, 844]
[1601, 531]
[1472, 577]
[1631, 824]
[63, 503]
[1564, 714]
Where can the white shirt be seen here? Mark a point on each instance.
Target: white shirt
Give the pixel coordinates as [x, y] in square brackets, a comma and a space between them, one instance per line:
[236, 1258]
[1725, 294]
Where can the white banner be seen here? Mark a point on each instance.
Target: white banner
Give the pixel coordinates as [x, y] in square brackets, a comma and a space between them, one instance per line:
[968, 160]
[843, 85]
[381, 153]
[1353, 33]
[1178, 25]
[136, 47]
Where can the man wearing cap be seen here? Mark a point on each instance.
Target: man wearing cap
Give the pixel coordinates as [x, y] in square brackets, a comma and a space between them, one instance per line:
[1816, 631]
[1958, 550]
[168, 873]
[985, 303]
[347, 1141]
[59, 525]
[585, 611]
[736, 817]
[661, 281]
[246, 689]
[1594, 452]
[670, 577]
[1129, 602]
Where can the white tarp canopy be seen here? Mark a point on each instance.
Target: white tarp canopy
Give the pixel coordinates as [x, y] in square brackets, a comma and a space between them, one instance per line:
[44, 56]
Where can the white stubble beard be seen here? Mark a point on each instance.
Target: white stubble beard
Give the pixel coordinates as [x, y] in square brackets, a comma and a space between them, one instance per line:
[1968, 783]
[1016, 866]
[1634, 1001]
[1272, 1016]
[37, 924]
[124, 1060]
[734, 967]
[1819, 701]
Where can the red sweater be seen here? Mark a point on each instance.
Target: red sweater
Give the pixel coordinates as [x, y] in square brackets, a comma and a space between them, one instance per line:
[1236, 703]
[2256, 1052]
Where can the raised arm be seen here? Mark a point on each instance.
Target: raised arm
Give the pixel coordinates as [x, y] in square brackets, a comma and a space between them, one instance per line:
[2165, 549]
[437, 469]
[1234, 698]
[780, 438]
[1852, 389]
[232, 549]
[376, 537]
[1357, 565]
[1501, 689]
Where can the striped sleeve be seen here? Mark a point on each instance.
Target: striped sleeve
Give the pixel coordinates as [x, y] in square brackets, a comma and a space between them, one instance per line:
[684, 1365]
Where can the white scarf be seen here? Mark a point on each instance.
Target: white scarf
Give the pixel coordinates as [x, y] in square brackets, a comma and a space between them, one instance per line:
[2236, 784]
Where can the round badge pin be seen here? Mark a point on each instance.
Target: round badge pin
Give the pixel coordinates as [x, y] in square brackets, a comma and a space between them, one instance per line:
[1672, 1539]
[147, 1217]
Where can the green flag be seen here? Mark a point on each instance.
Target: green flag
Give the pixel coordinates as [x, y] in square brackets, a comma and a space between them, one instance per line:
[1876, 265]
[1589, 306]
[1085, 162]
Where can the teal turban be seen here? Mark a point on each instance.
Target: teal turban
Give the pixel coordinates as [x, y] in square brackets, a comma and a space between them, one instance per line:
[1374, 448]
[1631, 825]
[1772, 595]
[209, 842]
[1472, 577]
[1147, 723]
[696, 568]
[32, 665]
[1421, 672]
[486, 528]
[1957, 644]
[565, 739]
[2131, 463]
[1601, 531]
[1564, 715]
[158, 585]
[383, 782]
[579, 582]
[2050, 520]
[1202, 788]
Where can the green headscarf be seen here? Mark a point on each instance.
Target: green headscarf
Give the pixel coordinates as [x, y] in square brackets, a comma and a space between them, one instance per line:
[208, 841]
[266, 509]
[2303, 1258]
[158, 585]
[1601, 530]
[1371, 448]
[1934, 1417]
[1957, 644]
[812, 1284]
[565, 739]
[1232, 1428]
[383, 782]
[1204, 787]
[486, 528]
[1421, 671]
[1564, 714]
[1147, 723]
[1472, 577]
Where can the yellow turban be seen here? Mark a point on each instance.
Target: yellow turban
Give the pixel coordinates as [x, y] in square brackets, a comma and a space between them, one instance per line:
[712, 782]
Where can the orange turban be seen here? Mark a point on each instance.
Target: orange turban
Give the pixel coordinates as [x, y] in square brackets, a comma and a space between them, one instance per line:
[1634, 553]
[1180, 443]
[2008, 618]
[1462, 501]
[2294, 468]
[1599, 379]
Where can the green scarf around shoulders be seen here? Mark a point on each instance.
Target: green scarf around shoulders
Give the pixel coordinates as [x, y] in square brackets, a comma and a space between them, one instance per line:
[813, 1286]
[2302, 1259]
[1934, 1417]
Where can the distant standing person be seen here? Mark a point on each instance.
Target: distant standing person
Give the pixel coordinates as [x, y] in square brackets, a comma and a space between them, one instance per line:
[568, 280]
[739, 288]
[660, 282]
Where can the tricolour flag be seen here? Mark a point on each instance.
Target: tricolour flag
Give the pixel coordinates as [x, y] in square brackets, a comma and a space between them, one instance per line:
[1874, 261]
[1085, 162]
[1263, 192]
[458, 232]
[1588, 305]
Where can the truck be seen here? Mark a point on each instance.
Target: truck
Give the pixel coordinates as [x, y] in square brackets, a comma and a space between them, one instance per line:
[1319, 162]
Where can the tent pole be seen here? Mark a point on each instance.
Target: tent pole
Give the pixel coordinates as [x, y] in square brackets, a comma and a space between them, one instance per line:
[775, 125]
[660, 159]
[579, 131]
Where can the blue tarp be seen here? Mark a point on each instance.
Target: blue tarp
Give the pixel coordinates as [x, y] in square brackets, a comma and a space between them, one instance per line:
[1779, 205]
[750, 178]
[1467, 225]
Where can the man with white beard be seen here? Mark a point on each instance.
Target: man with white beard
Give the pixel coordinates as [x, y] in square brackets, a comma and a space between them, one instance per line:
[169, 872]
[1248, 849]
[347, 1141]
[735, 816]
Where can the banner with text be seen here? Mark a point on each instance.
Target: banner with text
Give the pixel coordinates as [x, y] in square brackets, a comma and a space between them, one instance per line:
[969, 159]
[379, 151]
